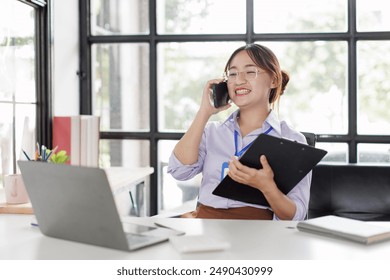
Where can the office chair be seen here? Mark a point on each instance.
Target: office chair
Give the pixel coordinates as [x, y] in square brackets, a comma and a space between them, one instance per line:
[311, 138]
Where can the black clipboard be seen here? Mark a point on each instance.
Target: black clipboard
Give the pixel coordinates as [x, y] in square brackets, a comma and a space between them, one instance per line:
[290, 161]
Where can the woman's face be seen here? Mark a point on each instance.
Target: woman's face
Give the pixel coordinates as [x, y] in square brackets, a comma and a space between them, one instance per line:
[248, 84]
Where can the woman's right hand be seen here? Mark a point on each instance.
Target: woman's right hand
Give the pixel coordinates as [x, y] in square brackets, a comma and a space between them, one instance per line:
[207, 105]
[187, 149]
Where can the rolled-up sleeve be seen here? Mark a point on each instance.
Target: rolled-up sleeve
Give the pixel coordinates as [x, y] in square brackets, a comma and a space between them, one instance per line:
[183, 172]
[300, 195]
[180, 171]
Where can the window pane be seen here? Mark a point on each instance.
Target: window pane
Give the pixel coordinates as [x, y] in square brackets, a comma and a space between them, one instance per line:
[183, 70]
[201, 16]
[374, 153]
[373, 15]
[124, 153]
[25, 130]
[17, 52]
[300, 16]
[111, 17]
[337, 152]
[120, 86]
[174, 193]
[315, 99]
[23, 135]
[373, 68]
[6, 139]
[17, 83]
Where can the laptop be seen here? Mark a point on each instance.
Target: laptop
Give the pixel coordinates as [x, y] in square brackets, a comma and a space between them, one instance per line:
[76, 203]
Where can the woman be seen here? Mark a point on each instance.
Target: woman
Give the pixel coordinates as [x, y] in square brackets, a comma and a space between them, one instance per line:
[255, 82]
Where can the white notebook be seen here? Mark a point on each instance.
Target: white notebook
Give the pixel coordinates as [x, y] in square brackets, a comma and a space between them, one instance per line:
[354, 230]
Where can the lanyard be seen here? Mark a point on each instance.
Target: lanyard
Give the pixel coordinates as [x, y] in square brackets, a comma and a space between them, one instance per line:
[239, 153]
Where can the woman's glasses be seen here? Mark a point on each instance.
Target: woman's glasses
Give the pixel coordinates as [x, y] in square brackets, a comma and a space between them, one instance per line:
[250, 74]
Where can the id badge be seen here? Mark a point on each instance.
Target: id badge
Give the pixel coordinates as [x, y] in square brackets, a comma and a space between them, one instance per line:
[224, 169]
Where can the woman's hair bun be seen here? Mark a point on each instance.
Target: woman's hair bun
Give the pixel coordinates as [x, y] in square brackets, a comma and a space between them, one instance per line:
[285, 79]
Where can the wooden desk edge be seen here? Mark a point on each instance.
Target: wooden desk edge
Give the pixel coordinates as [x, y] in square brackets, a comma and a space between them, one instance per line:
[24, 208]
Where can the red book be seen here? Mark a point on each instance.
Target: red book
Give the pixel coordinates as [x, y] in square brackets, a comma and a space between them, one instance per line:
[66, 135]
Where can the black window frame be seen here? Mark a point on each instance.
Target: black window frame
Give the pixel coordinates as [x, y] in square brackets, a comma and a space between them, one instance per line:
[43, 70]
[351, 36]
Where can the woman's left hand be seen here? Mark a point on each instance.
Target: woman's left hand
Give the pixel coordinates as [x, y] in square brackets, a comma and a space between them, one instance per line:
[262, 179]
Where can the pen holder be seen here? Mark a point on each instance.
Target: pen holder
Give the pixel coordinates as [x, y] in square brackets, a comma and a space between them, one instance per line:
[15, 191]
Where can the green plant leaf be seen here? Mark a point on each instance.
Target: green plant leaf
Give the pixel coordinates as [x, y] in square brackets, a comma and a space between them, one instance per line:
[61, 157]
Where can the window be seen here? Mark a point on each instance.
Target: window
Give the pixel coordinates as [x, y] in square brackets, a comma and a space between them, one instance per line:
[23, 84]
[146, 63]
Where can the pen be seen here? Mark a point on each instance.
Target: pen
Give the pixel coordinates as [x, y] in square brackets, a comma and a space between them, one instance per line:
[161, 225]
[51, 153]
[37, 152]
[26, 155]
[179, 232]
[43, 153]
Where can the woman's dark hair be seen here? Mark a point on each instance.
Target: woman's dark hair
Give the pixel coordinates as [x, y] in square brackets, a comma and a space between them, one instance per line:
[264, 58]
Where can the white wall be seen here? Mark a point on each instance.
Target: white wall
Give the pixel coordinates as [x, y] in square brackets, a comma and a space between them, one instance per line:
[65, 57]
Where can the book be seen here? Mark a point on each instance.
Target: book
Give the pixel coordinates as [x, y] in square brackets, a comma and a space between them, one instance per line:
[89, 140]
[66, 135]
[290, 161]
[93, 159]
[354, 230]
[84, 135]
[79, 137]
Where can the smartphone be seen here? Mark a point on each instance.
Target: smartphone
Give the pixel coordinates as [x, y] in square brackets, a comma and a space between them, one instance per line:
[220, 94]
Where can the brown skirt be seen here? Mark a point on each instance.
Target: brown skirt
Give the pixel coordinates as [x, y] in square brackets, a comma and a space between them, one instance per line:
[241, 213]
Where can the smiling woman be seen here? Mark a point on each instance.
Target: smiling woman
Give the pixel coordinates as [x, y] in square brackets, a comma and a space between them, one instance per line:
[255, 83]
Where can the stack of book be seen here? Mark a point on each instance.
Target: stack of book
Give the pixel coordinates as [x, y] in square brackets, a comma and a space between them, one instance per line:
[79, 137]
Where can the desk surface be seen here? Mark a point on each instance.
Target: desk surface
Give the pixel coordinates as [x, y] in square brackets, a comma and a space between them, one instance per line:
[121, 177]
[269, 240]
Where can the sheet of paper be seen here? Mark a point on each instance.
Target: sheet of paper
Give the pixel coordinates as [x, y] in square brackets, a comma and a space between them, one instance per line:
[198, 243]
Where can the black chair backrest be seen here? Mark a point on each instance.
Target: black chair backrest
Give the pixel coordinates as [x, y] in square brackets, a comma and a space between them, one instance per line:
[311, 138]
[351, 190]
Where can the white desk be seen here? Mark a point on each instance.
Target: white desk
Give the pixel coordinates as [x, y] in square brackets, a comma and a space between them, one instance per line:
[249, 240]
[135, 180]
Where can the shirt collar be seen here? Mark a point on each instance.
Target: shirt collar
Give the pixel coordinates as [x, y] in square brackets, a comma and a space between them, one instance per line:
[271, 121]
[231, 121]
